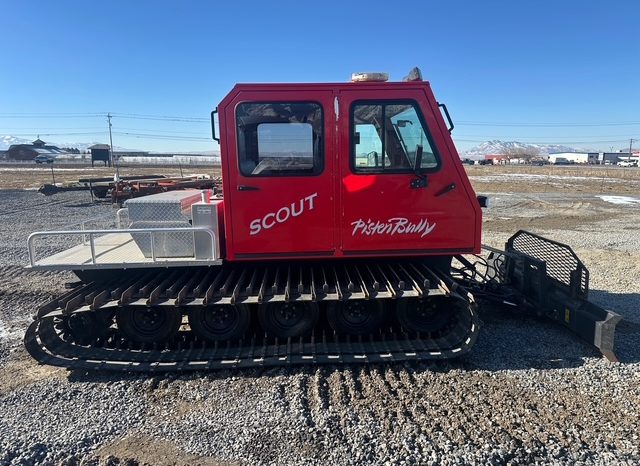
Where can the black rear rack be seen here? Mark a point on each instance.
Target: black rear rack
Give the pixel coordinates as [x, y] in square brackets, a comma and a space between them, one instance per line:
[548, 279]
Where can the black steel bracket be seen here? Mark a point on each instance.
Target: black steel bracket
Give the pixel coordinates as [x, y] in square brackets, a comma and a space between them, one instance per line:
[213, 126]
[419, 182]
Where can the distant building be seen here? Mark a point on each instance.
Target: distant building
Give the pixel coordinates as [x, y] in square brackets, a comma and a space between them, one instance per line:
[31, 151]
[100, 152]
[610, 158]
[131, 153]
[574, 157]
[496, 159]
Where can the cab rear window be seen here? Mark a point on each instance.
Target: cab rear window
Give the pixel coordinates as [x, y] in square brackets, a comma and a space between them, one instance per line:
[280, 138]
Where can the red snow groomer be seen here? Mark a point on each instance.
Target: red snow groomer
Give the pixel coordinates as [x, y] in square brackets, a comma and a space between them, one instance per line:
[347, 232]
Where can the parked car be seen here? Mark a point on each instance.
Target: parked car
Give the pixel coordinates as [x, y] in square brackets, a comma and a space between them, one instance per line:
[562, 161]
[539, 162]
[628, 163]
[44, 158]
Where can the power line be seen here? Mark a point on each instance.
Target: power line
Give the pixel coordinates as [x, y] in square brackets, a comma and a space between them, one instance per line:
[144, 115]
[572, 138]
[40, 116]
[53, 113]
[40, 129]
[548, 142]
[177, 119]
[9, 128]
[58, 134]
[544, 125]
[161, 136]
[134, 116]
[164, 131]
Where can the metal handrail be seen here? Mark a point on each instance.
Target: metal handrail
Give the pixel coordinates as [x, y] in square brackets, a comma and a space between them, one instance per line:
[119, 216]
[91, 234]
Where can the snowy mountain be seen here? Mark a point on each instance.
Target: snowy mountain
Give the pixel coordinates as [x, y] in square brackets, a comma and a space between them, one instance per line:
[504, 147]
[6, 141]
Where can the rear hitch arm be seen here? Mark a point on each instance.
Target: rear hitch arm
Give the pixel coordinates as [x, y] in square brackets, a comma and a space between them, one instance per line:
[544, 278]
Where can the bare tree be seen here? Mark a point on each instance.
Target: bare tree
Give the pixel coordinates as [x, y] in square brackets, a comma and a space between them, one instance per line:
[525, 154]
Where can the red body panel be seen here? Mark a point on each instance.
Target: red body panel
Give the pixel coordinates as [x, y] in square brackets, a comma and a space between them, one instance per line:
[341, 213]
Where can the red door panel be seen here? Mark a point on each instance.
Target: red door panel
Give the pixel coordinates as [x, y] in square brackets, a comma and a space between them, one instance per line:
[381, 213]
[279, 173]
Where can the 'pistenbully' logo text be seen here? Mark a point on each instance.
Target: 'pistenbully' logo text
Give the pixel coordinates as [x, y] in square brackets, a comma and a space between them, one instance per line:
[393, 226]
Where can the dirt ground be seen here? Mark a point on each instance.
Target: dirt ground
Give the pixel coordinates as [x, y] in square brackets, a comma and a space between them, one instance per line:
[530, 392]
[554, 179]
[32, 177]
[485, 178]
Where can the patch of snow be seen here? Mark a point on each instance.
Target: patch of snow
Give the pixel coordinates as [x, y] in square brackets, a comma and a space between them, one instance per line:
[4, 335]
[625, 200]
[47, 169]
[543, 178]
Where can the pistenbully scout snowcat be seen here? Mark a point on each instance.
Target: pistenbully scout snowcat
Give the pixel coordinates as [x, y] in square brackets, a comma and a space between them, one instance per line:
[347, 231]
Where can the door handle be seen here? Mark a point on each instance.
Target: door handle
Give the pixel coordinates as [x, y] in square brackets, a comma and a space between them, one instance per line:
[446, 189]
[242, 187]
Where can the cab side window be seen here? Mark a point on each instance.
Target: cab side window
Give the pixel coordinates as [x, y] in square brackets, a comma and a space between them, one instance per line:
[385, 137]
[280, 138]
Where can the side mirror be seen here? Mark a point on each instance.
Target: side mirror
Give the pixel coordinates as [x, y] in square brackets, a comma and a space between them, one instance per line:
[483, 201]
[418, 162]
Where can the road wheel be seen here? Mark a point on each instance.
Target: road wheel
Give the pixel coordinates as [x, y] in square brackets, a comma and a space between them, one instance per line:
[85, 327]
[292, 319]
[425, 315]
[355, 317]
[219, 322]
[148, 324]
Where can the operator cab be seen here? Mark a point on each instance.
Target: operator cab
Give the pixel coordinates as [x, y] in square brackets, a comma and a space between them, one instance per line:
[359, 169]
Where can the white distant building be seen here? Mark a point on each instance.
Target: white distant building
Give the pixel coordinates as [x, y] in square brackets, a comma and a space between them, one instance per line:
[573, 157]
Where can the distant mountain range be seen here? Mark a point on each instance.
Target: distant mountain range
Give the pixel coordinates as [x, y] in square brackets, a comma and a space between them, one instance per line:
[8, 140]
[503, 147]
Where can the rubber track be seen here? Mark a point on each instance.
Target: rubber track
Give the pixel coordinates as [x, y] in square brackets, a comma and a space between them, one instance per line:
[46, 342]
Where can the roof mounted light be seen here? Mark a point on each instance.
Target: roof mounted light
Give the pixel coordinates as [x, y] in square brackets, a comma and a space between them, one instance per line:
[375, 77]
[414, 75]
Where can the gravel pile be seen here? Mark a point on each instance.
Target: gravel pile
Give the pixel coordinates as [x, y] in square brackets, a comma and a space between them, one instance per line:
[529, 392]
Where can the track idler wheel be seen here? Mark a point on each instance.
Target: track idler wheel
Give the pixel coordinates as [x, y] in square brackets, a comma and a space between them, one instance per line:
[219, 322]
[148, 324]
[85, 327]
[288, 319]
[355, 317]
[430, 314]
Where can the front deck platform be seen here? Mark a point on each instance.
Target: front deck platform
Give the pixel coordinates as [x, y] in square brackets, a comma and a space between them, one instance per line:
[113, 251]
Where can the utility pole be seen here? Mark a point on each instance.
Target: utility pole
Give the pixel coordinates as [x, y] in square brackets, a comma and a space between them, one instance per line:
[113, 157]
[630, 146]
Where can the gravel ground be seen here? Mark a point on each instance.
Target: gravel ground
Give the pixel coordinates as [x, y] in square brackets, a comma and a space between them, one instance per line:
[529, 393]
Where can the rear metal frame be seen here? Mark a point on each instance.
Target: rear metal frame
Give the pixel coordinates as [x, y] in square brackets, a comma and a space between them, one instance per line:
[94, 264]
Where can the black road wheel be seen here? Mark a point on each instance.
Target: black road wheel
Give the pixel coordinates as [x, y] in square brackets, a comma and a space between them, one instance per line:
[425, 315]
[355, 317]
[85, 327]
[292, 319]
[219, 322]
[148, 324]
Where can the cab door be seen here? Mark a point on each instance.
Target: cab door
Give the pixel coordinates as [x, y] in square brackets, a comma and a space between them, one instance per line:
[386, 207]
[278, 174]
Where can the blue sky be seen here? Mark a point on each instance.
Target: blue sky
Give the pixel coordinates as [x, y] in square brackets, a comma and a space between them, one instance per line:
[558, 71]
